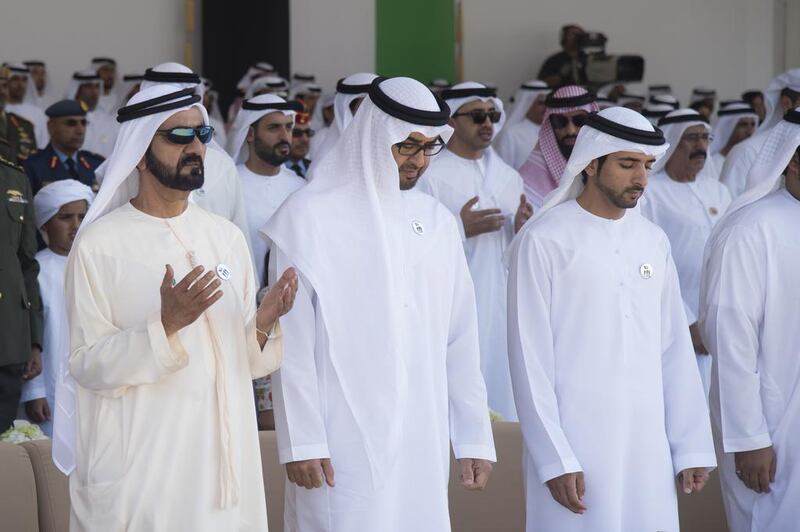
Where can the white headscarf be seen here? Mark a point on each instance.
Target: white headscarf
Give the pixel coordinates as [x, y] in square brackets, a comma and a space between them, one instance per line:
[272, 84]
[356, 86]
[772, 96]
[776, 153]
[456, 101]
[302, 78]
[592, 144]
[237, 145]
[356, 192]
[703, 93]
[47, 97]
[120, 177]
[664, 99]
[55, 195]
[81, 77]
[727, 119]
[208, 89]
[673, 133]
[254, 71]
[22, 70]
[656, 111]
[634, 92]
[129, 81]
[523, 100]
[191, 80]
[658, 90]
[299, 89]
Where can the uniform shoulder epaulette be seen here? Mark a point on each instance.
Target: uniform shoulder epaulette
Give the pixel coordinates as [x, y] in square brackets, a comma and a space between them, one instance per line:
[13, 165]
[18, 121]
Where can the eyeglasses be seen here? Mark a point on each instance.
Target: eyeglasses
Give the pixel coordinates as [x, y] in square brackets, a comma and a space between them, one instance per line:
[73, 122]
[410, 149]
[694, 138]
[297, 133]
[479, 116]
[561, 121]
[185, 135]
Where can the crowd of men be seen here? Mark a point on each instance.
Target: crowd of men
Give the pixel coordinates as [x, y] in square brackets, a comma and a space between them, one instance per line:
[371, 273]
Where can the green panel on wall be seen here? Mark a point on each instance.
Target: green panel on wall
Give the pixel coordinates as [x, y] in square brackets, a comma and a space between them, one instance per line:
[415, 38]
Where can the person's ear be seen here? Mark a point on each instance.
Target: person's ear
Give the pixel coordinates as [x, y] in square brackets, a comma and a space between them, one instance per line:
[591, 170]
[451, 122]
[251, 134]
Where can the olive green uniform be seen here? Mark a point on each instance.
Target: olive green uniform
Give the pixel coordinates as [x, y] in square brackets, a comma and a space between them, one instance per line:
[20, 303]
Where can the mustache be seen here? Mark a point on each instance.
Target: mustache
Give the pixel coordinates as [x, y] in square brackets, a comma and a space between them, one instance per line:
[410, 166]
[281, 144]
[488, 130]
[698, 153]
[190, 159]
[569, 137]
[636, 188]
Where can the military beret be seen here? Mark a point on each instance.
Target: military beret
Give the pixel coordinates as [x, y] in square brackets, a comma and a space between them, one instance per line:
[65, 108]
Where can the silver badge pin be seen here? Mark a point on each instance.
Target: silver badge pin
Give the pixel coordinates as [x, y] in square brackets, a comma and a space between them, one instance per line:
[417, 227]
[646, 271]
[224, 272]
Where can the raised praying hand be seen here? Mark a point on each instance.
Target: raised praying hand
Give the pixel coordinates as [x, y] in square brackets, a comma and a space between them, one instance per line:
[277, 301]
[184, 302]
[524, 212]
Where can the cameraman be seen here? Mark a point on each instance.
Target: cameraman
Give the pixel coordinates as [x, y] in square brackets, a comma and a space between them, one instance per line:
[567, 67]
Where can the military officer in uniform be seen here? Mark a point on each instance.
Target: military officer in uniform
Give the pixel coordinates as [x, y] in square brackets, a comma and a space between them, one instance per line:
[17, 139]
[20, 304]
[62, 158]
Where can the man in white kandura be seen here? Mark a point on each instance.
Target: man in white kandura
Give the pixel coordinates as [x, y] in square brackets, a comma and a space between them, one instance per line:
[736, 122]
[221, 193]
[165, 338]
[350, 92]
[260, 143]
[521, 131]
[382, 365]
[749, 306]
[685, 199]
[485, 194]
[782, 95]
[608, 393]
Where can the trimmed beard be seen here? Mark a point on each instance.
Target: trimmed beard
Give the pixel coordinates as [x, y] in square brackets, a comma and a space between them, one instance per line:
[173, 178]
[269, 154]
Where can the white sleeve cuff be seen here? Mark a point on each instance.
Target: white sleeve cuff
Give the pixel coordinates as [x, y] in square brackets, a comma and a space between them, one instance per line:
[689, 461]
[303, 452]
[482, 452]
[737, 445]
[168, 352]
[551, 471]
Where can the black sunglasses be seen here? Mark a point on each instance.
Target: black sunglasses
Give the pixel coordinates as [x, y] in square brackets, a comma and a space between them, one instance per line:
[479, 116]
[297, 133]
[561, 121]
[185, 135]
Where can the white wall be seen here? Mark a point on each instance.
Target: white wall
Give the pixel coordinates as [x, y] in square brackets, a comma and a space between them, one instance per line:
[66, 34]
[725, 44]
[332, 38]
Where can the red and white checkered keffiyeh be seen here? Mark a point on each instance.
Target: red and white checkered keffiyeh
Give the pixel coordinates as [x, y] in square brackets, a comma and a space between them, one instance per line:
[542, 170]
[547, 138]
